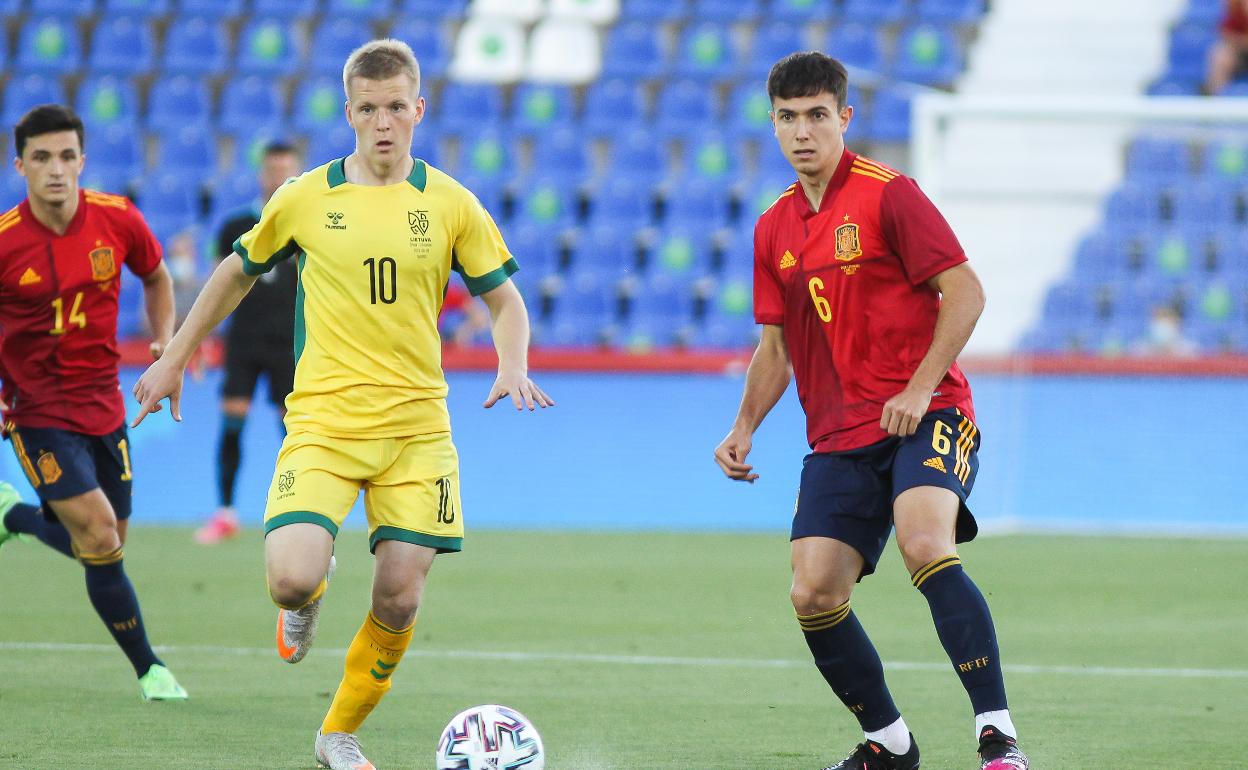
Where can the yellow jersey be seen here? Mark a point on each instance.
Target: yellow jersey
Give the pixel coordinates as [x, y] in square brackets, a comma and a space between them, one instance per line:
[374, 263]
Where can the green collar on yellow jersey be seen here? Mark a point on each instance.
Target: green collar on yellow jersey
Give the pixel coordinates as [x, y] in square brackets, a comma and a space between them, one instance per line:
[337, 173]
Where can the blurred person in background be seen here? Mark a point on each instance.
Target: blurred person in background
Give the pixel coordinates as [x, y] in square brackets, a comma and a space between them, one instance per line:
[1229, 55]
[260, 341]
[463, 316]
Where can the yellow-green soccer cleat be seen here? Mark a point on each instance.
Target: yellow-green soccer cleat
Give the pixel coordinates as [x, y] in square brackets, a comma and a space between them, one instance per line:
[8, 498]
[158, 684]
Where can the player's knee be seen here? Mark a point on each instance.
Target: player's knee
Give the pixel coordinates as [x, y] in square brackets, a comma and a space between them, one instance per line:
[396, 610]
[97, 537]
[923, 548]
[291, 591]
[811, 600]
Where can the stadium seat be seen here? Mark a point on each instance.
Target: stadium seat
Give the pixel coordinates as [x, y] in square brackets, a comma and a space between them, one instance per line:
[727, 10]
[334, 40]
[178, 101]
[803, 11]
[535, 248]
[890, 116]
[537, 108]
[247, 143]
[1207, 206]
[1170, 256]
[856, 45]
[682, 249]
[695, 204]
[1134, 204]
[122, 45]
[318, 104]
[64, 8]
[49, 45]
[215, 9]
[12, 191]
[143, 9]
[468, 104]
[371, 10]
[561, 151]
[489, 50]
[168, 203]
[682, 101]
[1189, 50]
[109, 179]
[599, 12]
[195, 45]
[1150, 158]
[486, 155]
[655, 10]
[764, 193]
[22, 92]
[107, 100]
[488, 191]
[427, 41]
[10, 8]
[634, 50]
[749, 111]
[330, 144]
[929, 55]
[704, 51]
[231, 192]
[605, 247]
[1225, 160]
[286, 9]
[622, 201]
[613, 104]
[547, 202]
[585, 294]
[1207, 12]
[431, 10]
[522, 11]
[772, 42]
[876, 11]
[638, 154]
[663, 298]
[188, 150]
[713, 157]
[116, 148]
[267, 47]
[564, 50]
[950, 11]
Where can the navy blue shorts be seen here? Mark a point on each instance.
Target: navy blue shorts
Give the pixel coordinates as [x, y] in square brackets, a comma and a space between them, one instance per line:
[63, 463]
[848, 496]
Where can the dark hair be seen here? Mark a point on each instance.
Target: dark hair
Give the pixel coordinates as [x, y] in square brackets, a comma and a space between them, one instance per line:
[46, 119]
[808, 73]
[279, 147]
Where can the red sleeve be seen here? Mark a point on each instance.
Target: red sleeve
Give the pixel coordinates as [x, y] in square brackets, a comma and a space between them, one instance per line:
[145, 252]
[917, 232]
[456, 297]
[768, 294]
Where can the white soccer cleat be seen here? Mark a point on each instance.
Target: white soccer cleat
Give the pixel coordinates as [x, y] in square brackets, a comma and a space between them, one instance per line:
[297, 628]
[340, 751]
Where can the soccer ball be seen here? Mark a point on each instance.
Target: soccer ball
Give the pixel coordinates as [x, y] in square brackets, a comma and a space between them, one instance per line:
[490, 738]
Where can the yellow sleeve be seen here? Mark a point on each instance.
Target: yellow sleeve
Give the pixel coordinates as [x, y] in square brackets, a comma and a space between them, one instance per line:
[270, 240]
[479, 255]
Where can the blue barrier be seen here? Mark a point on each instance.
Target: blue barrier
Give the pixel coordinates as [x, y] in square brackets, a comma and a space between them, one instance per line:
[634, 452]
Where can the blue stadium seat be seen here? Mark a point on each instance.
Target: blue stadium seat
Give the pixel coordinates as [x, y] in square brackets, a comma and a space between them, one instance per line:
[1189, 50]
[764, 193]
[586, 295]
[681, 249]
[749, 111]
[178, 101]
[10, 8]
[683, 100]
[655, 10]
[247, 143]
[704, 51]
[142, 9]
[318, 104]
[1069, 301]
[696, 203]
[622, 201]
[488, 191]
[115, 149]
[727, 10]
[856, 45]
[122, 45]
[432, 10]
[535, 248]
[1225, 160]
[371, 10]
[195, 45]
[1134, 204]
[538, 107]
[890, 116]
[12, 191]
[1206, 12]
[216, 9]
[612, 104]
[107, 100]
[287, 9]
[547, 202]
[425, 147]
[427, 41]
[773, 165]
[64, 8]
[928, 54]
[803, 11]
[49, 45]
[129, 307]
[1208, 206]
[639, 154]
[951, 11]
[714, 157]
[330, 144]
[1151, 158]
[267, 47]
[106, 179]
[168, 203]
[333, 41]
[634, 50]
[23, 92]
[188, 150]
[562, 152]
[1099, 258]
[249, 100]
[772, 42]
[468, 104]
[231, 192]
[605, 246]
[662, 296]
[876, 11]
[486, 154]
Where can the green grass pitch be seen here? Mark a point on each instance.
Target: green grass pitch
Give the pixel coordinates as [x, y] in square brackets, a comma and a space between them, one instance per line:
[648, 651]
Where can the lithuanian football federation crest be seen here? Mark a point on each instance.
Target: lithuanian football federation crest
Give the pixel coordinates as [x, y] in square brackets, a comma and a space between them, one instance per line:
[103, 266]
[848, 246]
[49, 468]
[419, 222]
[286, 481]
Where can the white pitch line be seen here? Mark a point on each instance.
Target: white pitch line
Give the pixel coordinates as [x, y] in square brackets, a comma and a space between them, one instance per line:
[652, 660]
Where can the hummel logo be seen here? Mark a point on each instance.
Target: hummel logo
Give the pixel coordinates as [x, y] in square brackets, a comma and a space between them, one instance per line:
[334, 218]
[937, 463]
[788, 260]
[29, 277]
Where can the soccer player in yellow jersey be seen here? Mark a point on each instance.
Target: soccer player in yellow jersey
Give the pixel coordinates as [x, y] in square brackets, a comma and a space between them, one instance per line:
[375, 236]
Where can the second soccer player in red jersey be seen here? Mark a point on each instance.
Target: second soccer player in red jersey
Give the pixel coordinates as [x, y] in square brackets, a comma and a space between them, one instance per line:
[862, 288]
[61, 257]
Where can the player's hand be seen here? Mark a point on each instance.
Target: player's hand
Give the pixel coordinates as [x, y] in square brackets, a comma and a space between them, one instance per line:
[904, 411]
[523, 391]
[731, 453]
[163, 379]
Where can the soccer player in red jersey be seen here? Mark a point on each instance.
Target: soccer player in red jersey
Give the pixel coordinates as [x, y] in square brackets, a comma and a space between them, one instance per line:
[861, 286]
[61, 252]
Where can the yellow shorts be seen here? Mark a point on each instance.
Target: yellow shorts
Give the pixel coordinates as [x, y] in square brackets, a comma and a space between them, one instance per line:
[411, 487]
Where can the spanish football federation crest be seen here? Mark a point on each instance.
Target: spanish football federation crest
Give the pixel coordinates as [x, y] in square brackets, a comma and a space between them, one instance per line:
[49, 468]
[103, 266]
[418, 221]
[848, 246]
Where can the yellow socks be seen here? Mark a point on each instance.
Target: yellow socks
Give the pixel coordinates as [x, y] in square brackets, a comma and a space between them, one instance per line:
[371, 659]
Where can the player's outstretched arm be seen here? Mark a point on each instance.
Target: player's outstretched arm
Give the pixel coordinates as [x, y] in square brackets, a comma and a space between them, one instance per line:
[765, 382]
[510, 329]
[158, 302]
[163, 379]
[961, 302]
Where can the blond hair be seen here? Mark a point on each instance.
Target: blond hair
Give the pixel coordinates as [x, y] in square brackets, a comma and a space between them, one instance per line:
[381, 60]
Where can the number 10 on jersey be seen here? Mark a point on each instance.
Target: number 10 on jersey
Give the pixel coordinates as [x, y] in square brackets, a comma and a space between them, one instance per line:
[382, 280]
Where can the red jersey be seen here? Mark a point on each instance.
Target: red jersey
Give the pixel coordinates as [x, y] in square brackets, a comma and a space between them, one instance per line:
[58, 311]
[847, 283]
[1235, 19]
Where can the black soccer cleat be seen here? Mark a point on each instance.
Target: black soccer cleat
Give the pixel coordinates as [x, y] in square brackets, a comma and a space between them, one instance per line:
[872, 756]
[998, 751]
